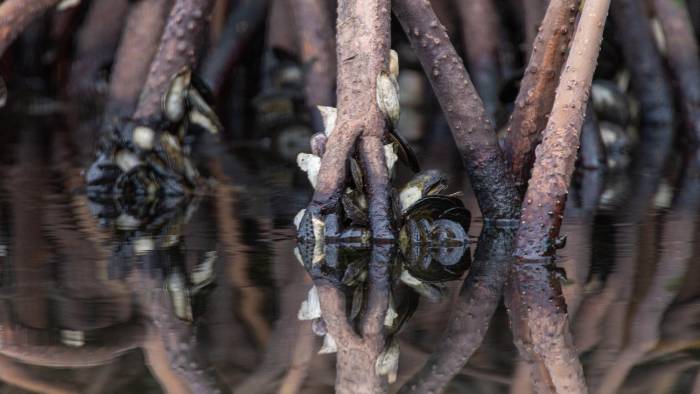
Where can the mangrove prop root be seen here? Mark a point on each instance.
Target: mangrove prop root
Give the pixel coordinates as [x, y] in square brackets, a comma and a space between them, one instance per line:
[15, 16]
[651, 89]
[97, 41]
[315, 37]
[138, 45]
[537, 299]
[472, 312]
[480, 19]
[471, 127]
[239, 30]
[684, 58]
[536, 94]
[182, 36]
[363, 39]
[556, 155]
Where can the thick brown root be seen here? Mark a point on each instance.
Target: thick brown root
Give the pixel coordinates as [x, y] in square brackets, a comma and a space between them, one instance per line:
[537, 88]
[15, 16]
[139, 43]
[363, 50]
[471, 127]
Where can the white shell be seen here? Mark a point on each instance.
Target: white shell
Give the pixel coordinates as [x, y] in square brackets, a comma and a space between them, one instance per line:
[408, 196]
[65, 4]
[329, 345]
[127, 222]
[204, 121]
[73, 338]
[205, 115]
[388, 97]
[204, 272]
[329, 115]
[174, 100]
[298, 217]
[179, 296]
[143, 245]
[311, 308]
[126, 160]
[391, 315]
[391, 157]
[394, 63]
[143, 137]
[409, 279]
[388, 362]
[311, 164]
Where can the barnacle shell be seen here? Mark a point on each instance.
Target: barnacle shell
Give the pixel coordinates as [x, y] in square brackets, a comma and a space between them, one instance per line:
[143, 137]
[173, 103]
[423, 184]
[391, 157]
[203, 121]
[143, 245]
[329, 345]
[201, 113]
[203, 273]
[329, 115]
[65, 4]
[126, 160]
[311, 164]
[179, 295]
[394, 63]
[388, 362]
[310, 308]
[73, 338]
[388, 97]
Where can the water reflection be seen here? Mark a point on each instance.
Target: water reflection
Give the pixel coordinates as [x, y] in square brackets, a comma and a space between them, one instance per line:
[206, 294]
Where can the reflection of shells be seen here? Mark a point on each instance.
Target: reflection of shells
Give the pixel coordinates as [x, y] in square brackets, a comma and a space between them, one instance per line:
[311, 308]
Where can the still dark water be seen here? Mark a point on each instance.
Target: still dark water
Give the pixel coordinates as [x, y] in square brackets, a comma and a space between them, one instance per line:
[204, 295]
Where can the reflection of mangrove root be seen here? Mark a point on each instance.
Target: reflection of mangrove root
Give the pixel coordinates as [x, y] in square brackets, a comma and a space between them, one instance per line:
[472, 312]
[346, 273]
[536, 304]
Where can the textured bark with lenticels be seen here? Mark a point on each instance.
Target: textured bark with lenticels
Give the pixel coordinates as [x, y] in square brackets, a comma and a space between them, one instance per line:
[183, 34]
[139, 43]
[534, 297]
[537, 88]
[363, 39]
[15, 15]
[471, 127]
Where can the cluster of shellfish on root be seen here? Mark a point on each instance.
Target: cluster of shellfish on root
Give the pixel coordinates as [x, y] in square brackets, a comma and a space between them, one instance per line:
[144, 162]
[433, 227]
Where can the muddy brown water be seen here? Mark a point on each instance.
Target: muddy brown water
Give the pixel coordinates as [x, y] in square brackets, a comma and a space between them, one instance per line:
[203, 296]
